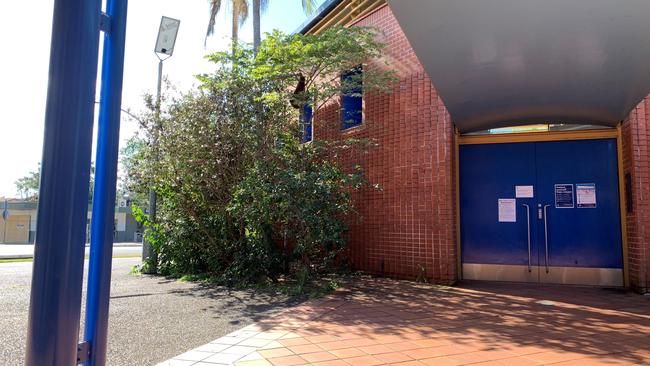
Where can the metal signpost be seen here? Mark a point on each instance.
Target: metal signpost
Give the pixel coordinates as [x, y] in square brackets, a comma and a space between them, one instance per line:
[5, 216]
[55, 302]
[164, 46]
[103, 211]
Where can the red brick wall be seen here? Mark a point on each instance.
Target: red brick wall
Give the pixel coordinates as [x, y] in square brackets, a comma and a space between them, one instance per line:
[636, 163]
[410, 223]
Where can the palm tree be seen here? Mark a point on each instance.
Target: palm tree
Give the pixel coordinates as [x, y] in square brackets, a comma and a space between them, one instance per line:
[259, 6]
[240, 14]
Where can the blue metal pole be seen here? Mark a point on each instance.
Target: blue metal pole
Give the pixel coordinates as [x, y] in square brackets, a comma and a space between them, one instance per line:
[108, 140]
[55, 302]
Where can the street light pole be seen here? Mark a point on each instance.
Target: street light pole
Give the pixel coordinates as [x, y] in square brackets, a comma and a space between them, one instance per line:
[164, 46]
[148, 253]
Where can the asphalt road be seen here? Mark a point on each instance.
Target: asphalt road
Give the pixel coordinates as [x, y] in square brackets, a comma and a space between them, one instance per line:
[152, 318]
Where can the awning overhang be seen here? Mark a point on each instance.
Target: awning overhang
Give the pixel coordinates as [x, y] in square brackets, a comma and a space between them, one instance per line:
[499, 63]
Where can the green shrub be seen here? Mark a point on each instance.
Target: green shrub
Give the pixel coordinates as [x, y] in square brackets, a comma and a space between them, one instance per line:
[241, 199]
[292, 206]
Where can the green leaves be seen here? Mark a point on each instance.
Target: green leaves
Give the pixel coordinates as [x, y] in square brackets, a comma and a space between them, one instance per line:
[240, 198]
[28, 185]
[302, 198]
[320, 59]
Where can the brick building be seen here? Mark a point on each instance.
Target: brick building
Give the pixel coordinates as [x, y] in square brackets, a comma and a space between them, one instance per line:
[500, 176]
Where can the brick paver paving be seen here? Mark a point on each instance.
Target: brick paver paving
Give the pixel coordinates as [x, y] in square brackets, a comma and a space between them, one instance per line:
[389, 322]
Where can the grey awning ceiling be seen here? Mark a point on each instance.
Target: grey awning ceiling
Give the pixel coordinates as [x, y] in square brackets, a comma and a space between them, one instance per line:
[508, 62]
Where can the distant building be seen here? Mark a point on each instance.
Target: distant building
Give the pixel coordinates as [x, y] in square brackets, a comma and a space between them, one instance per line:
[20, 226]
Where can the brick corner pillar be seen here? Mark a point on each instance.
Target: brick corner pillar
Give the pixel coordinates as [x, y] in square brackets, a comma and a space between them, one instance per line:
[636, 169]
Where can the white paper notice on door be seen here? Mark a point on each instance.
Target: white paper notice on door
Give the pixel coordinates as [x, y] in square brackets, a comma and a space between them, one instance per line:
[507, 210]
[586, 195]
[524, 192]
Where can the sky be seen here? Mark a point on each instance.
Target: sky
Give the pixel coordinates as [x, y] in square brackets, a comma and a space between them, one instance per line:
[25, 38]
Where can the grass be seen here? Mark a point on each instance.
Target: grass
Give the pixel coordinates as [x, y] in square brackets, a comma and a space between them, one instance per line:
[311, 289]
[31, 259]
[197, 278]
[16, 260]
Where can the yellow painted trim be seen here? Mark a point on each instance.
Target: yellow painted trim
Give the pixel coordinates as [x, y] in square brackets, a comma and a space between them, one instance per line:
[369, 10]
[538, 136]
[346, 13]
[459, 265]
[622, 205]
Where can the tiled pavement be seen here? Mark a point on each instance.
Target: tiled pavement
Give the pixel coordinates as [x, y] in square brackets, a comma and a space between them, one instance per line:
[388, 322]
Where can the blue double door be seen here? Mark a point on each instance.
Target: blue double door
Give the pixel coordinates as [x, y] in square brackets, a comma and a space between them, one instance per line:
[541, 212]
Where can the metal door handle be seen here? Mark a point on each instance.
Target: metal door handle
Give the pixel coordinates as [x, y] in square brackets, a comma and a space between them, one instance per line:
[528, 223]
[546, 235]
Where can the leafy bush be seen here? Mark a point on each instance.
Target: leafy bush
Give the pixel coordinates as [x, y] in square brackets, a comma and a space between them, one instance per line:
[241, 199]
[296, 199]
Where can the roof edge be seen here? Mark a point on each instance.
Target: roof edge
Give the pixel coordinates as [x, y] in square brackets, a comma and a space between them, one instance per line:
[318, 15]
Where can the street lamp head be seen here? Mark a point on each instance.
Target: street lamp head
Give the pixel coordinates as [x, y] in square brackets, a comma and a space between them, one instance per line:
[167, 36]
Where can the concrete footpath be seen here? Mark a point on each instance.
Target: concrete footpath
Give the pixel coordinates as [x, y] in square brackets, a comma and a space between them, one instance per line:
[389, 322]
[23, 251]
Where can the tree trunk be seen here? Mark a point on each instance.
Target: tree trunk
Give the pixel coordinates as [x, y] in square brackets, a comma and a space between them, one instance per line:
[235, 29]
[257, 32]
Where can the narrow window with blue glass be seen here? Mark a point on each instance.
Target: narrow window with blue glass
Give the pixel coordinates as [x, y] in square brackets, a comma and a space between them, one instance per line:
[307, 122]
[352, 98]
